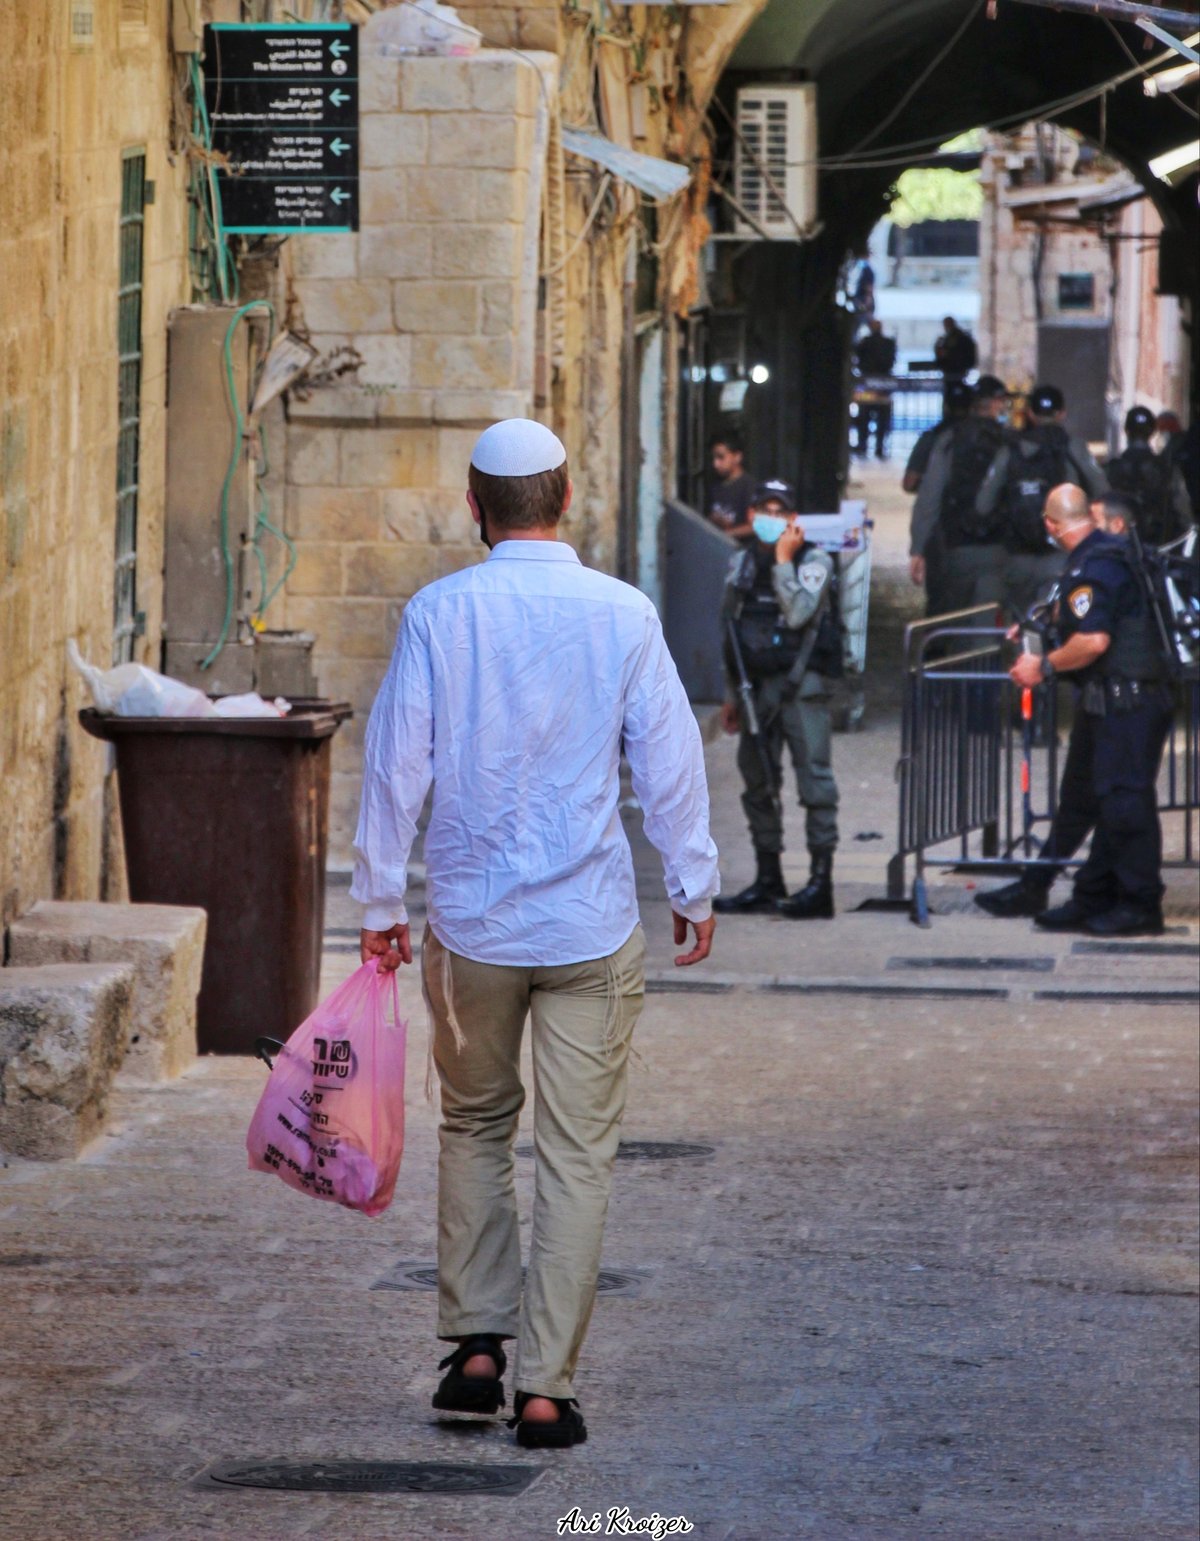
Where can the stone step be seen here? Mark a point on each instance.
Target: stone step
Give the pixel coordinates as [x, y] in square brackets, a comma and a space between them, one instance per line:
[64, 1030]
[164, 945]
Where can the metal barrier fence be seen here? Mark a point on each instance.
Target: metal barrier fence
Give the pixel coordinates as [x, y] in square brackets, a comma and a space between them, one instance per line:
[975, 778]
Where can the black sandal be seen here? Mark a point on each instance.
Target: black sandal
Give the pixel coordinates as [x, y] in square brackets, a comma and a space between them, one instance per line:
[459, 1393]
[568, 1429]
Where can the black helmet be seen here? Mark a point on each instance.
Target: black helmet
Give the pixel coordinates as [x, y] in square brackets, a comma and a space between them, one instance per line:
[991, 388]
[1140, 422]
[1046, 401]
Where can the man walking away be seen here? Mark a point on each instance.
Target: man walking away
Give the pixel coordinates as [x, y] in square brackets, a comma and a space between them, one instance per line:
[784, 639]
[512, 688]
[1018, 482]
[957, 404]
[729, 506]
[1157, 487]
[971, 556]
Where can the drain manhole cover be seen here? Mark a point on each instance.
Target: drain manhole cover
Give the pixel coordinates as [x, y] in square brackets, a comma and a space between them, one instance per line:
[687, 987]
[370, 1477]
[648, 1150]
[660, 1150]
[424, 1276]
[977, 965]
[1138, 949]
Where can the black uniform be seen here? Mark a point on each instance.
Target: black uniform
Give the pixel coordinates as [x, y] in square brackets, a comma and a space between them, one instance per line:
[1157, 488]
[1122, 716]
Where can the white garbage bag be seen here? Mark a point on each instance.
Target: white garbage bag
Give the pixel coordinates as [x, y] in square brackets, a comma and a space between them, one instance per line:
[132, 690]
[420, 27]
[251, 705]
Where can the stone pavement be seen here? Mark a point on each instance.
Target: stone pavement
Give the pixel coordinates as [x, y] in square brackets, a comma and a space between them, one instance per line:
[935, 1277]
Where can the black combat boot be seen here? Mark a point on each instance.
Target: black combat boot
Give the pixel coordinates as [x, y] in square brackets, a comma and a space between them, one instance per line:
[761, 896]
[815, 900]
[1027, 896]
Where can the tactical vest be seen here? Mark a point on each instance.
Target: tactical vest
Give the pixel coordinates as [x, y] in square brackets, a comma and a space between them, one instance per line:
[768, 646]
[1134, 651]
[975, 443]
[1039, 459]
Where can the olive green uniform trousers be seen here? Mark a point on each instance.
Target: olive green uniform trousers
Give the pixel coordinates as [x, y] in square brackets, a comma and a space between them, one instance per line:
[803, 723]
[582, 1019]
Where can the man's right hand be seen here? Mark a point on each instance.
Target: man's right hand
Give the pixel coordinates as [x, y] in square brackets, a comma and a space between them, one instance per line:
[916, 569]
[378, 944]
[704, 939]
[731, 717]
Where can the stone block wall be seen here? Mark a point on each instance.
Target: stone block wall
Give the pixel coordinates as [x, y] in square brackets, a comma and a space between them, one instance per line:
[66, 115]
[437, 292]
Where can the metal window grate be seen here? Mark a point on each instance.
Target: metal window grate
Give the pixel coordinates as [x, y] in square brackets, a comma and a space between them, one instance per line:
[129, 400]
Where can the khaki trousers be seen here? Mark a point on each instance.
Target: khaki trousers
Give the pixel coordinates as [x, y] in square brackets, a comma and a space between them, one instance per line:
[583, 1016]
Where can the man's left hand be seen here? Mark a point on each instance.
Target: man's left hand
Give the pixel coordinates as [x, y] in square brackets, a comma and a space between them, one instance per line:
[1027, 671]
[789, 543]
[704, 939]
[378, 944]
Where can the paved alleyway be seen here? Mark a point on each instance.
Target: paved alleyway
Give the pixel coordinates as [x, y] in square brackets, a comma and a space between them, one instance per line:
[935, 1276]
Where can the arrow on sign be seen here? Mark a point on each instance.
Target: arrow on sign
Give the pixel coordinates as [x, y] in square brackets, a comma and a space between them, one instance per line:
[338, 196]
[337, 97]
[339, 48]
[338, 146]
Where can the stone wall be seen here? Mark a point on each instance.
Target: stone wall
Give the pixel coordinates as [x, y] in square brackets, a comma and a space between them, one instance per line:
[437, 292]
[1011, 277]
[66, 114]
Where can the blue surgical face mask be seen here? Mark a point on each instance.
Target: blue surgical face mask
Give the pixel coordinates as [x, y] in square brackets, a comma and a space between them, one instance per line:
[769, 527]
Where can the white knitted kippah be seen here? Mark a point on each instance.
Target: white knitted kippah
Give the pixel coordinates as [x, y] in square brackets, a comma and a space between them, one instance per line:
[517, 447]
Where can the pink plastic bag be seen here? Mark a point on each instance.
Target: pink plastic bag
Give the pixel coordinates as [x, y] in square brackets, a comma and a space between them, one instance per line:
[331, 1120]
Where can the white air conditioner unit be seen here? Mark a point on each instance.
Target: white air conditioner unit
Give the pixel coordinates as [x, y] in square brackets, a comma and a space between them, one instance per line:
[777, 134]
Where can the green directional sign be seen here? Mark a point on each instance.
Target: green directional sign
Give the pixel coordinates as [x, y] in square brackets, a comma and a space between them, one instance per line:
[282, 103]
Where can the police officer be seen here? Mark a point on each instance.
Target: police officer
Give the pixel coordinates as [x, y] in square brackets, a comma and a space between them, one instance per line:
[1164, 510]
[1123, 712]
[957, 405]
[970, 555]
[781, 605]
[1113, 513]
[874, 364]
[1043, 455]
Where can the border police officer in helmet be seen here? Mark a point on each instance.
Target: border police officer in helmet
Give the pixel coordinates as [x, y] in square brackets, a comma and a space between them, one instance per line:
[1164, 511]
[783, 651]
[1109, 647]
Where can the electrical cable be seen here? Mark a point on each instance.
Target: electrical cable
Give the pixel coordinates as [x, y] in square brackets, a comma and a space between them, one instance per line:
[1132, 57]
[228, 289]
[605, 184]
[239, 425]
[846, 162]
[261, 471]
[917, 84]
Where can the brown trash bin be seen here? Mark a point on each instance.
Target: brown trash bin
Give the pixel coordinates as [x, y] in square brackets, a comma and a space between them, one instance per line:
[233, 814]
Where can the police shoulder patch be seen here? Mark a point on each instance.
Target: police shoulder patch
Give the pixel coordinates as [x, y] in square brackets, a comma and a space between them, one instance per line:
[1079, 601]
[812, 575]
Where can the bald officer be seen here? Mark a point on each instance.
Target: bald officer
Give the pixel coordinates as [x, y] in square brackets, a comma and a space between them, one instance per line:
[512, 689]
[1109, 649]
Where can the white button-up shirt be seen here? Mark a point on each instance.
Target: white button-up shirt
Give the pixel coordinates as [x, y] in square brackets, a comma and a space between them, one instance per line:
[513, 686]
